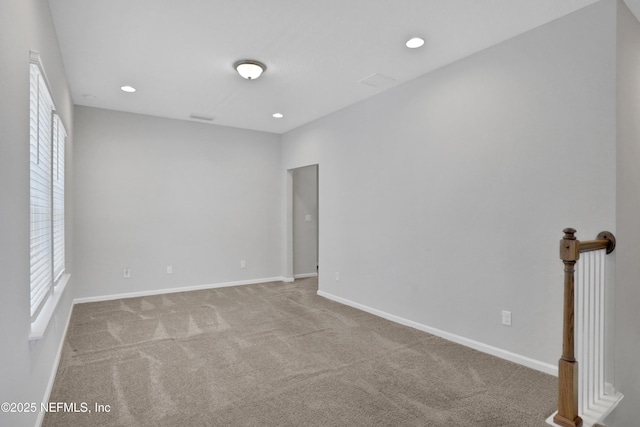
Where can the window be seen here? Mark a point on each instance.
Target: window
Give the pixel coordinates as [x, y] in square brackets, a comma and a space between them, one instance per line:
[59, 136]
[47, 139]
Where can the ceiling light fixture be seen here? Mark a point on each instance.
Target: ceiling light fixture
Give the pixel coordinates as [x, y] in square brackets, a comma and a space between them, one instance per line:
[127, 88]
[250, 69]
[278, 115]
[414, 43]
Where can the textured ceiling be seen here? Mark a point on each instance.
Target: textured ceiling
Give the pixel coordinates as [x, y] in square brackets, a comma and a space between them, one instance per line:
[179, 53]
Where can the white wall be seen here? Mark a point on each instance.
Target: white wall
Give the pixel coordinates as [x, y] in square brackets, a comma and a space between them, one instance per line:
[25, 369]
[627, 338]
[442, 201]
[305, 233]
[153, 192]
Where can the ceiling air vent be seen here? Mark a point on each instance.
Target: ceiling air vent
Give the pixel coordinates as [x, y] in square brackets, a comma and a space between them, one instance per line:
[203, 117]
[378, 80]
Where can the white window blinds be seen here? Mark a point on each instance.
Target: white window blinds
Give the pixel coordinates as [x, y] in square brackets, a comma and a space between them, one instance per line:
[59, 136]
[47, 136]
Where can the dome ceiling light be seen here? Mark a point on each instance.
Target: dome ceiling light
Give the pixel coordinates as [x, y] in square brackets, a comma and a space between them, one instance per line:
[250, 69]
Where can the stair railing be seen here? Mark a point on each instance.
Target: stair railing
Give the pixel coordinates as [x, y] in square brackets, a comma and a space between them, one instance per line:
[583, 395]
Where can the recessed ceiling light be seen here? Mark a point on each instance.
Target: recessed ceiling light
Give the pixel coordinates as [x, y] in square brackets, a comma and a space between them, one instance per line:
[127, 88]
[414, 43]
[278, 115]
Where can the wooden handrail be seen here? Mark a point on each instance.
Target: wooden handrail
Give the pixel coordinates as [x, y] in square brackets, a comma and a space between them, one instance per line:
[604, 240]
[570, 249]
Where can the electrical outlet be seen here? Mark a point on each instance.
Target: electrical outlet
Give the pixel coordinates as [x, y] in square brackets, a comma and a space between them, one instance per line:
[126, 273]
[337, 276]
[506, 317]
[243, 264]
[169, 269]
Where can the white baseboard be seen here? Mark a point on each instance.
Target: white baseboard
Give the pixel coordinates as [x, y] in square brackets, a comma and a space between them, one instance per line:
[180, 289]
[476, 345]
[54, 369]
[305, 275]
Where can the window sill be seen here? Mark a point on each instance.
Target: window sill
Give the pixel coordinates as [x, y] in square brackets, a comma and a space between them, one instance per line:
[39, 326]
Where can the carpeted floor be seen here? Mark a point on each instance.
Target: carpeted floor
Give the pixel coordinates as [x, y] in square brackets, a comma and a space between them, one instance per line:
[276, 354]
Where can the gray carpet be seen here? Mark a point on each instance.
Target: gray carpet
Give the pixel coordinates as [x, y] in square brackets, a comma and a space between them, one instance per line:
[276, 354]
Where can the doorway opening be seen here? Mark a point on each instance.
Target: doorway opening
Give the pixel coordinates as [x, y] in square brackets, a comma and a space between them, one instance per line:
[304, 222]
